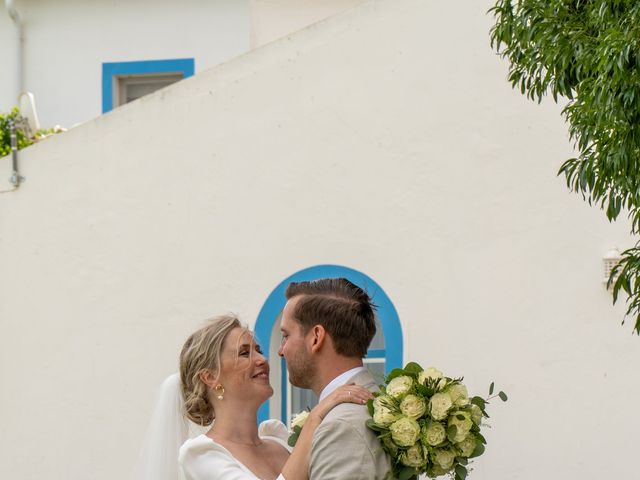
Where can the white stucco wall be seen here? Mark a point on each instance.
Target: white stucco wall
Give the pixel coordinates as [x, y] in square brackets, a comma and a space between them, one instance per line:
[385, 140]
[274, 19]
[66, 43]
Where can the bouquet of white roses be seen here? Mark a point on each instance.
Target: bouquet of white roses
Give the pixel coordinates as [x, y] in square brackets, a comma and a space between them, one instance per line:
[428, 423]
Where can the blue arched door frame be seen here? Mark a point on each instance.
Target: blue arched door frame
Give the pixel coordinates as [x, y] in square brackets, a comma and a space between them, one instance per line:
[387, 314]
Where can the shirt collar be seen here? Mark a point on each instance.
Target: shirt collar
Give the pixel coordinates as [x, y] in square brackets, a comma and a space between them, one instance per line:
[339, 380]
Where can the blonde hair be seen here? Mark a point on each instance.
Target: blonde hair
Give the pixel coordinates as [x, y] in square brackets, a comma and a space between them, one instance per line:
[200, 352]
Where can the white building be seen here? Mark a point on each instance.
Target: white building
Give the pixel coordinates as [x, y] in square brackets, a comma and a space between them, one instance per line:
[83, 58]
[383, 144]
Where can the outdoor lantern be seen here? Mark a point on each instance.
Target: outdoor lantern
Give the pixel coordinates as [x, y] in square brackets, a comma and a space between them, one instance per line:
[610, 259]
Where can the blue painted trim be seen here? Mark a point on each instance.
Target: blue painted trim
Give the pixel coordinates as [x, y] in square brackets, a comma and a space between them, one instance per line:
[376, 354]
[389, 320]
[186, 66]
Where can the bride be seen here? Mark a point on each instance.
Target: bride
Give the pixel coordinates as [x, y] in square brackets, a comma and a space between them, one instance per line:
[225, 377]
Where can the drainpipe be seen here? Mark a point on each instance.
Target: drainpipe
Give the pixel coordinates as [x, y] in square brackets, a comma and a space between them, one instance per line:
[15, 176]
[15, 16]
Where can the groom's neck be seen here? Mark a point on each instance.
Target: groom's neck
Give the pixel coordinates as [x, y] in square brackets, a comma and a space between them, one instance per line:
[332, 368]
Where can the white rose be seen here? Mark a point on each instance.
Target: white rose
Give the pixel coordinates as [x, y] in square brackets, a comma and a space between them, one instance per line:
[384, 412]
[413, 457]
[434, 434]
[405, 432]
[433, 374]
[467, 446]
[413, 406]
[463, 425]
[299, 419]
[444, 458]
[436, 471]
[399, 386]
[429, 373]
[459, 395]
[439, 406]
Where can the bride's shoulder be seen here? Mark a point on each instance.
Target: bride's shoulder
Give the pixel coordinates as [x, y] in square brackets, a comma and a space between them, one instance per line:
[199, 440]
[197, 445]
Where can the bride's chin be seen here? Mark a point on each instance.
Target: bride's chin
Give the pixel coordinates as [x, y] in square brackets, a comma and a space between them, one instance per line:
[267, 393]
[270, 390]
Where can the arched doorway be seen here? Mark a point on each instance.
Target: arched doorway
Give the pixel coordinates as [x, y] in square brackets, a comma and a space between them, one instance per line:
[384, 354]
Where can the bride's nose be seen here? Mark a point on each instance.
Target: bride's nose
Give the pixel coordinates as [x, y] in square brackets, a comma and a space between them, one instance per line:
[260, 359]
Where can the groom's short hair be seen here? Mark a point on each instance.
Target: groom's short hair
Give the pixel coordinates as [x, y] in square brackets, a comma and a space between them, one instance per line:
[344, 310]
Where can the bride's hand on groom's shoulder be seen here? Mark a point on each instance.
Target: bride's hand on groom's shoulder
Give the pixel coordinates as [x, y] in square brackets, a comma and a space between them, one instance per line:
[349, 393]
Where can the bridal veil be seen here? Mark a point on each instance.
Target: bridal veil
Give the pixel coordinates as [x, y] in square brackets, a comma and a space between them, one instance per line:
[167, 431]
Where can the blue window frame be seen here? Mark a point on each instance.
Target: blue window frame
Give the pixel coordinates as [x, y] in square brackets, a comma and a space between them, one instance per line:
[390, 353]
[111, 70]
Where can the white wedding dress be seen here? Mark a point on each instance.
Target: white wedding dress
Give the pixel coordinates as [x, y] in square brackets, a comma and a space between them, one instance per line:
[201, 458]
[167, 454]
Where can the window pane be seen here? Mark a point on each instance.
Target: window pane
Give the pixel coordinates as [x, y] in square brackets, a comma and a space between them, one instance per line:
[134, 91]
[376, 369]
[132, 87]
[301, 399]
[378, 340]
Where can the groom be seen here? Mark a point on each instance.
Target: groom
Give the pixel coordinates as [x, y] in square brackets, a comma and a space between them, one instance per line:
[327, 326]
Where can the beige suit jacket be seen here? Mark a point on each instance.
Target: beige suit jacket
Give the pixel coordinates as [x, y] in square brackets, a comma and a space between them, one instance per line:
[343, 448]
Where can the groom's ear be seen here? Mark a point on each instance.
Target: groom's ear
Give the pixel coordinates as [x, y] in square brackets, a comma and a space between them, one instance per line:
[318, 337]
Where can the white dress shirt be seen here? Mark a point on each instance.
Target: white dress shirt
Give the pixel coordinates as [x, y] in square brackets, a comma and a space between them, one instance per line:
[338, 381]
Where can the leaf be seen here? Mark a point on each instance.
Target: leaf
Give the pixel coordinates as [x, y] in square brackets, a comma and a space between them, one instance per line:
[480, 402]
[479, 450]
[413, 368]
[407, 473]
[396, 372]
[424, 390]
[491, 388]
[370, 406]
[503, 396]
[452, 431]
[461, 472]
[293, 438]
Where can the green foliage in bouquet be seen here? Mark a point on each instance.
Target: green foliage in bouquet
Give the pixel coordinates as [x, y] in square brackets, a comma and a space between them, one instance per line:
[427, 423]
[5, 134]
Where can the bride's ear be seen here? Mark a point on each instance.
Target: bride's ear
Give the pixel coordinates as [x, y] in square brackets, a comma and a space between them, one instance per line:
[209, 378]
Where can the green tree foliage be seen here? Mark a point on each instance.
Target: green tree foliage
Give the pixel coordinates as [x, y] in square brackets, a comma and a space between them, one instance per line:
[5, 134]
[587, 51]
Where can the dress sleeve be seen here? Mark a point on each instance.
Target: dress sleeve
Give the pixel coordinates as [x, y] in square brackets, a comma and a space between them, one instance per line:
[275, 430]
[201, 459]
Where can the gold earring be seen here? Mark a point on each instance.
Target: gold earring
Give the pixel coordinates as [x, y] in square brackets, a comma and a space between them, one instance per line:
[219, 389]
